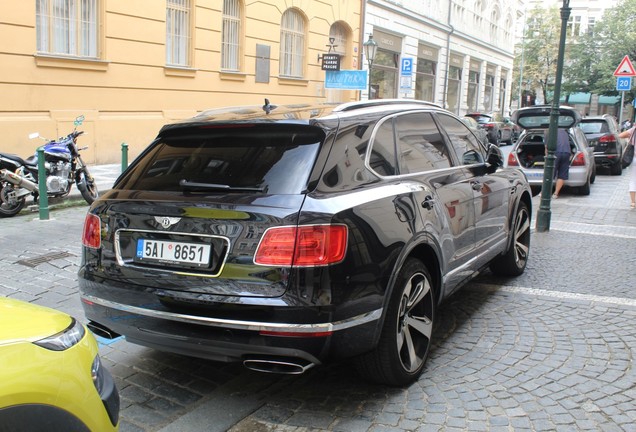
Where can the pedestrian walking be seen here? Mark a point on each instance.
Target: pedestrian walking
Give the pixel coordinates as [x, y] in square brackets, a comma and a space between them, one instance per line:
[632, 178]
[562, 162]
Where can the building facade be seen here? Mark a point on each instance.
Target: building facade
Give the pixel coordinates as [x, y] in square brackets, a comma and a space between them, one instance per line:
[461, 51]
[131, 66]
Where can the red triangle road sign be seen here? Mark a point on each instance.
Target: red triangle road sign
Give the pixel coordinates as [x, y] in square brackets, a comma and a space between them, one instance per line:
[625, 68]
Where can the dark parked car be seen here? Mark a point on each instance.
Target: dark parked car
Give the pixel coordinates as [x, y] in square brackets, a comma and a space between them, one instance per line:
[285, 237]
[528, 153]
[602, 135]
[499, 130]
[477, 129]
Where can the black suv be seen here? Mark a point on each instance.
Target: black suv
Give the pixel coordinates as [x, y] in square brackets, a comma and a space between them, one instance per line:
[602, 135]
[284, 237]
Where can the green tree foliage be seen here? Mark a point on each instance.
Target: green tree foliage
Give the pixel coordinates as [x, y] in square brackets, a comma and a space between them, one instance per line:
[540, 50]
[600, 52]
[590, 59]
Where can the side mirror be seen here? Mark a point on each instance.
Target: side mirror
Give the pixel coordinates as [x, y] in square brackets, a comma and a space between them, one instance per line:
[494, 158]
[78, 120]
[34, 135]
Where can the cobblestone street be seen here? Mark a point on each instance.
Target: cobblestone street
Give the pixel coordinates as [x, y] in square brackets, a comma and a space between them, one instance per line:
[550, 350]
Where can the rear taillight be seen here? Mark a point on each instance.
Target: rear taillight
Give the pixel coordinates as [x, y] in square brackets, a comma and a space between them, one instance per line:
[303, 246]
[607, 139]
[579, 160]
[512, 159]
[91, 237]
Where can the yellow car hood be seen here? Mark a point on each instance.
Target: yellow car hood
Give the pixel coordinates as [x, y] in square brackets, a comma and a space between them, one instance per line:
[21, 321]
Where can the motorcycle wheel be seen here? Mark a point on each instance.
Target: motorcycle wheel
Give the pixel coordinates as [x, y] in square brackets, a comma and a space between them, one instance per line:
[87, 188]
[9, 208]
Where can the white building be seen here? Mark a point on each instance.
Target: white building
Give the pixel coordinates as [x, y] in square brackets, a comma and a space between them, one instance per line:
[457, 53]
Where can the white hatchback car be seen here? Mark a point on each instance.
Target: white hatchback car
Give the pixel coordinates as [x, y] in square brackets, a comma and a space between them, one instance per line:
[528, 153]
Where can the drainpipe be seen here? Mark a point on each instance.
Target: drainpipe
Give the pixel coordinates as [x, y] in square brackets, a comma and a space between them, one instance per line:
[448, 41]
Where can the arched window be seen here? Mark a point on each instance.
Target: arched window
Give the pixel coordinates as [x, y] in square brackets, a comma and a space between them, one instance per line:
[340, 34]
[494, 24]
[292, 44]
[231, 36]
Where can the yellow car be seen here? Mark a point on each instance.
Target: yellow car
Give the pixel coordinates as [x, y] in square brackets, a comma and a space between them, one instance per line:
[51, 378]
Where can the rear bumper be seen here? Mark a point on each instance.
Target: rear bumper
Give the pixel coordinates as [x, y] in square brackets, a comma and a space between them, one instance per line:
[143, 320]
[606, 160]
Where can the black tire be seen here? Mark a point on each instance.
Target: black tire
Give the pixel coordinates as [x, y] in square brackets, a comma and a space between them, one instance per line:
[616, 169]
[513, 262]
[593, 176]
[585, 189]
[509, 140]
[9, 208]
[536, 190]
[405, 341]
[87, 187]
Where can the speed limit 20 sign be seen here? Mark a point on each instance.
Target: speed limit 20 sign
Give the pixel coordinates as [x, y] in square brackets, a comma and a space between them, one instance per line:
[623, 83]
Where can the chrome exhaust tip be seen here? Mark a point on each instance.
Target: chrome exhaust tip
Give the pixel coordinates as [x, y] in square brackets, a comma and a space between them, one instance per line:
[102, 331]
[286, 366]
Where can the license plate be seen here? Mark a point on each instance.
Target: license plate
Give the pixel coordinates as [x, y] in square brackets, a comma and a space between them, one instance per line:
[197, 254]
[534, 175]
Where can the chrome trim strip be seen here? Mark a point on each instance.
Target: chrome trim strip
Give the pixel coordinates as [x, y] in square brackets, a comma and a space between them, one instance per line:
[240, 325]
[472, 261]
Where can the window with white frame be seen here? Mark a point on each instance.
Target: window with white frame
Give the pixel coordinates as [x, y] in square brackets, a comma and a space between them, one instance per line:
[292, 44]
[178, 21]
[231, 36]
[494, 25]
[67, 27]
[591, 22]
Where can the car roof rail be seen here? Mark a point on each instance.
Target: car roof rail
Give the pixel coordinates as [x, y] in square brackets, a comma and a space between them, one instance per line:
[350, 106]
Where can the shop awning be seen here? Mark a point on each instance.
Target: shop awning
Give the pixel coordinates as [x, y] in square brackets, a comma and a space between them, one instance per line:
[608, 100]
[577, 98]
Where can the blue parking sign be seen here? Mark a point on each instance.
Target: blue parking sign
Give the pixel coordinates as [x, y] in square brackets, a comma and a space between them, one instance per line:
[407, 66]
[623, 83]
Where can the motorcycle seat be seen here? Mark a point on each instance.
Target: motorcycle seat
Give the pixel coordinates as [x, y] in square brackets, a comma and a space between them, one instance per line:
[31, 161]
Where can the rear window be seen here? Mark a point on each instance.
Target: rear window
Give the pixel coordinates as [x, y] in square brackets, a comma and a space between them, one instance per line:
[482, 118]
[269, 159]
[594, 127]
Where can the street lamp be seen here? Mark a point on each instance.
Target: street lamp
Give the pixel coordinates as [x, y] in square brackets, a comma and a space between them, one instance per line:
[370, 48]
[543, 214]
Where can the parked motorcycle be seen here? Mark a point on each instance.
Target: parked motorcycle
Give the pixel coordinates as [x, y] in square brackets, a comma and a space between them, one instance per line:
[64, 166]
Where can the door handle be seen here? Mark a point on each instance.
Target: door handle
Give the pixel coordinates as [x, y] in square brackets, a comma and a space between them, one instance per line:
[428, 202]
[475, 185]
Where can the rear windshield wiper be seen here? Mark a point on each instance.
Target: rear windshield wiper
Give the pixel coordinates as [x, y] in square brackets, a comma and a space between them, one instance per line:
[216, 186]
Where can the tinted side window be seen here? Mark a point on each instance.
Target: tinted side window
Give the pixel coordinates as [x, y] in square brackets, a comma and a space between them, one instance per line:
[382, 158]
[420, 144]
[466, 146]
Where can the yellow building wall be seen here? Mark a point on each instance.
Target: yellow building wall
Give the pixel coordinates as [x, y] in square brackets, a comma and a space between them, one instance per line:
[129, 93]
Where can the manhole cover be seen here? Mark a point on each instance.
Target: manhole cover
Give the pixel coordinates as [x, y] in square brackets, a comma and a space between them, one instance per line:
[36, 261]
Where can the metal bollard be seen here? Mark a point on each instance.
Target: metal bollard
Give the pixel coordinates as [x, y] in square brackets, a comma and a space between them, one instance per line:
[124, 156]
[43, 197]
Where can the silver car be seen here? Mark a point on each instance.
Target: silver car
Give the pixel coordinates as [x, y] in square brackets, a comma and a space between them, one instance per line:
[528, 153]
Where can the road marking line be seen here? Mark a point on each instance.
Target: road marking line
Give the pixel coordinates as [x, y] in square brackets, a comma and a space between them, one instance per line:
[557, 294]
[600, 230]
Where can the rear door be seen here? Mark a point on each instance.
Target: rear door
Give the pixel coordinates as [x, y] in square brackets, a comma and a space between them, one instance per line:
[447, 197]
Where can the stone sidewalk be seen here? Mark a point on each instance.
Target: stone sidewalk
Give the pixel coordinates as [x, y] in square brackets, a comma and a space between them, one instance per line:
[550, 350]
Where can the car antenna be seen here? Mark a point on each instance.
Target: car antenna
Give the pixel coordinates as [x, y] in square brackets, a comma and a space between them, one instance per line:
[268, 107]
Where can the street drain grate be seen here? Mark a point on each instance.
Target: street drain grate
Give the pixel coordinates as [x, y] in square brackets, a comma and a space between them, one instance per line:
[34, 262]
